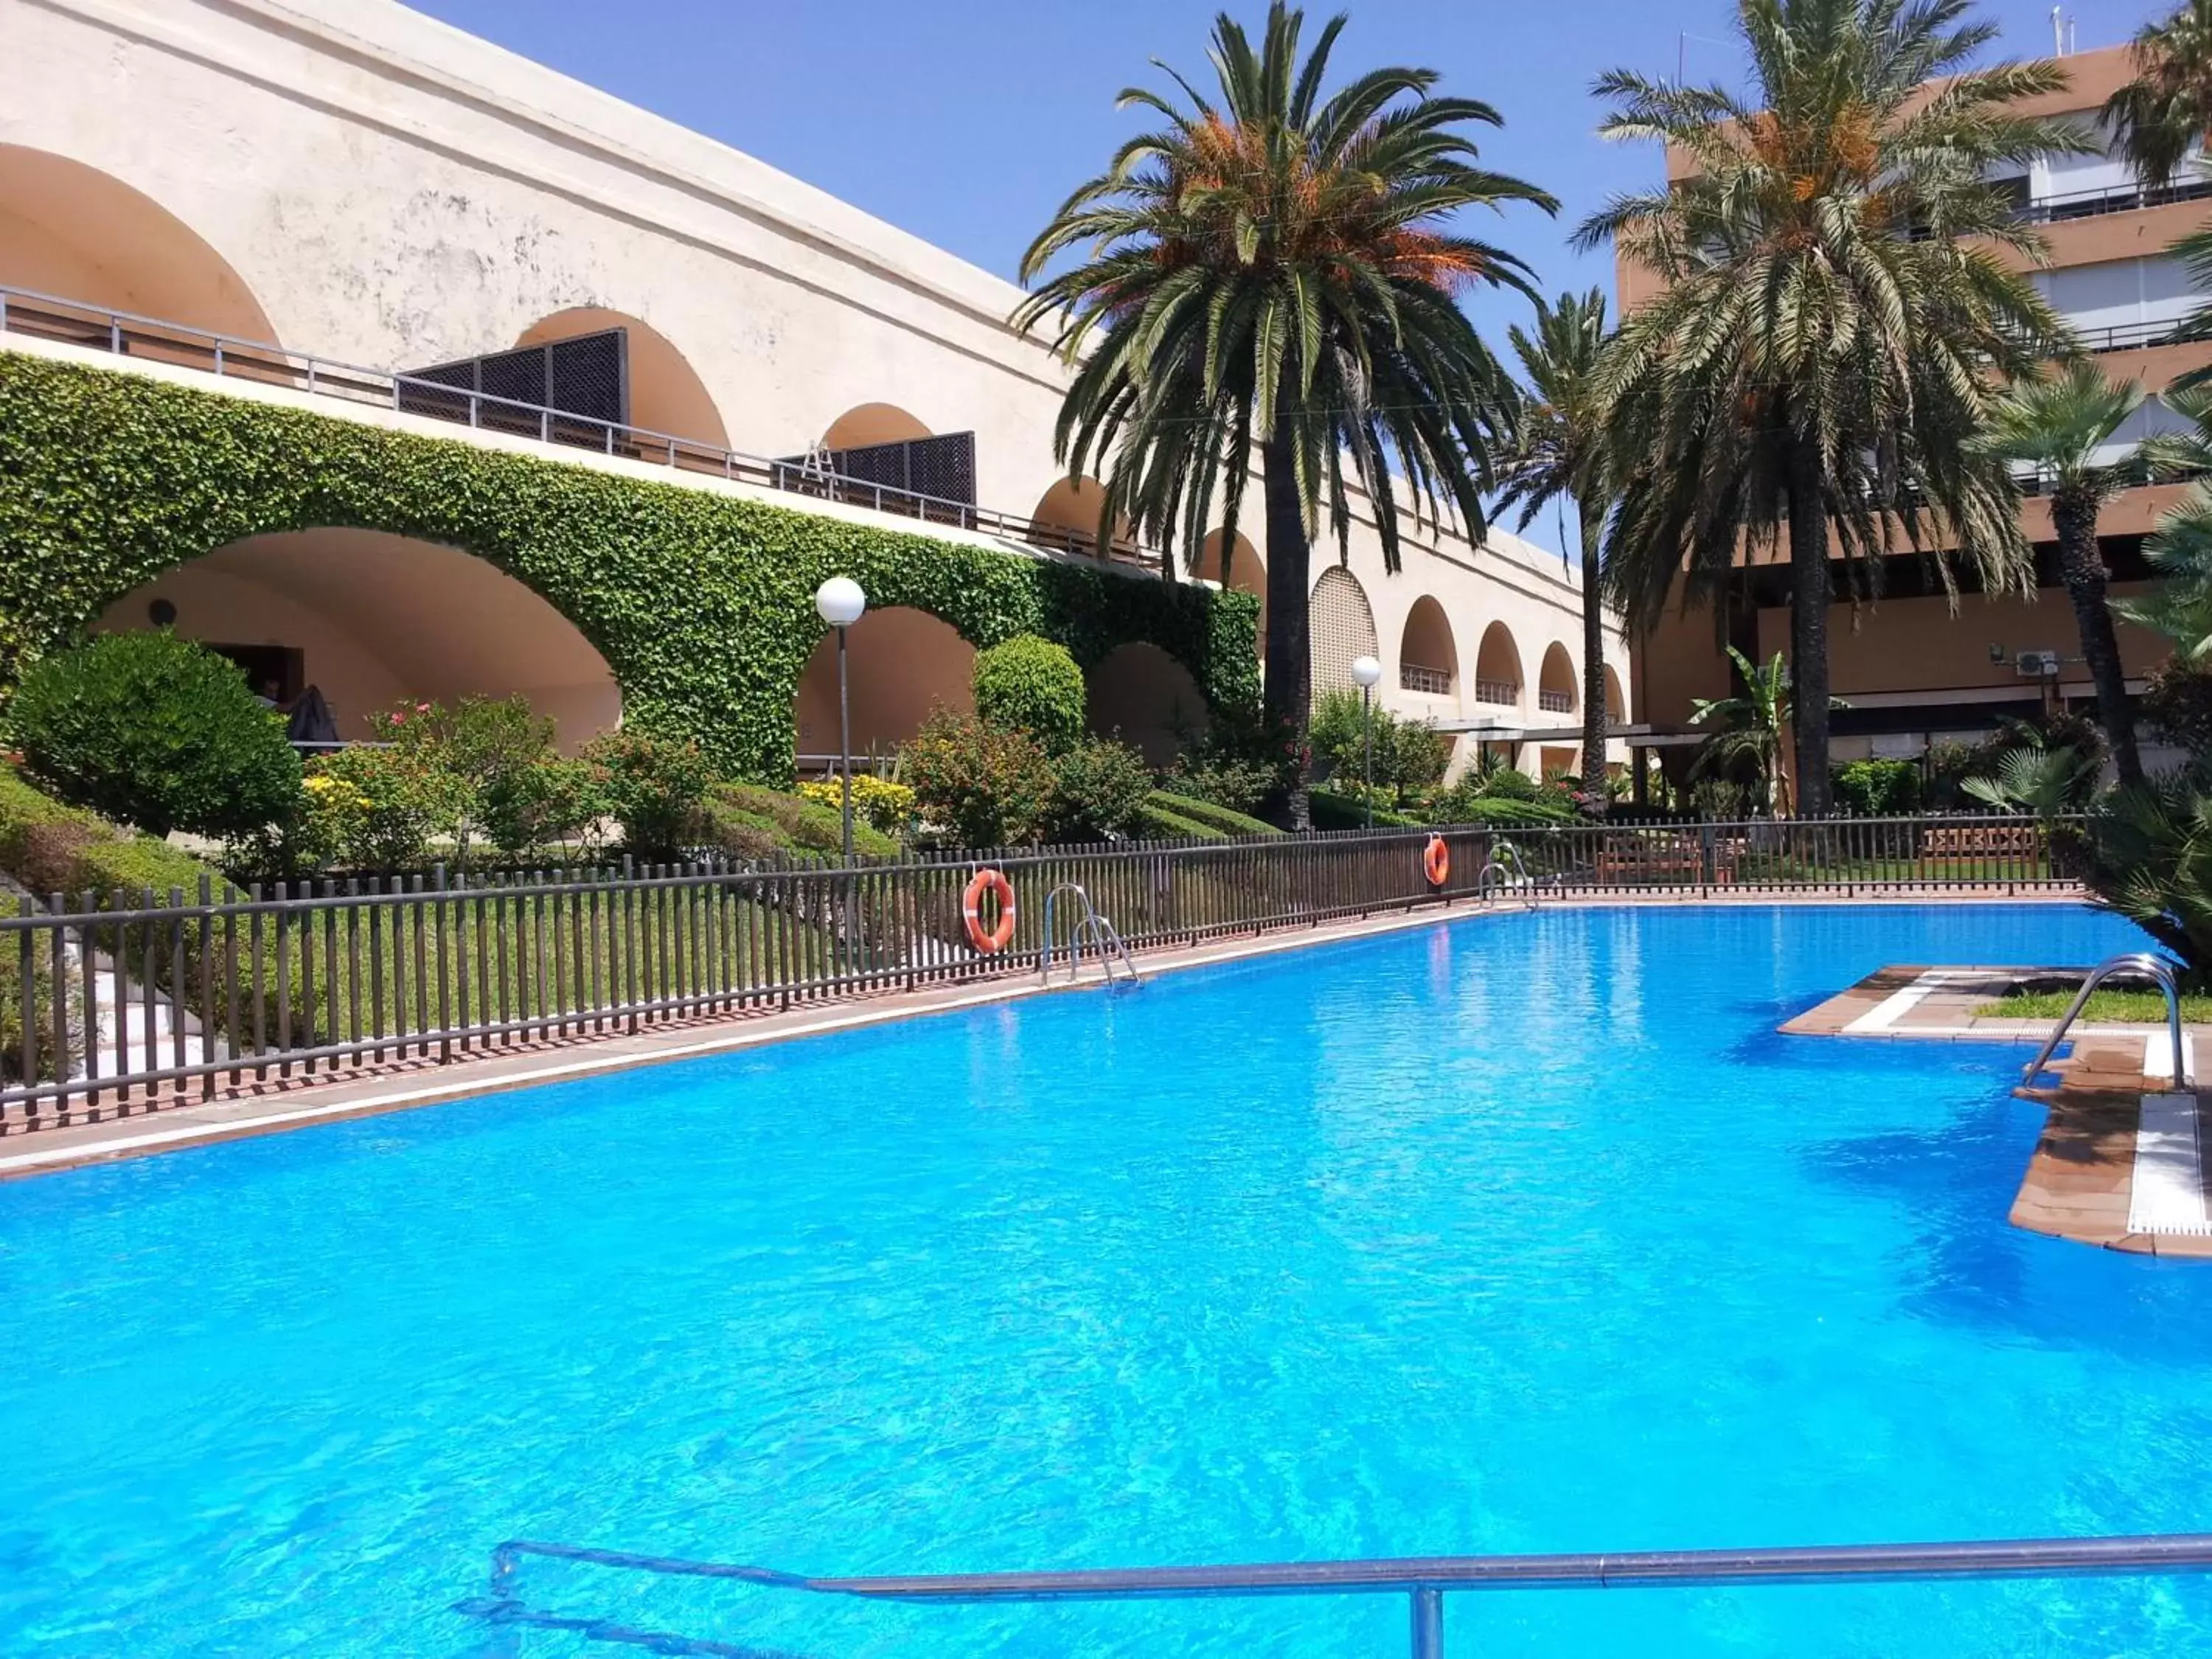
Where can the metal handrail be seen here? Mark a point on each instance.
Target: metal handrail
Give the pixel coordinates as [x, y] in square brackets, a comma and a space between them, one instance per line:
[266, 362]
[1091, 923]
[1423, 1580]
[2157, 969]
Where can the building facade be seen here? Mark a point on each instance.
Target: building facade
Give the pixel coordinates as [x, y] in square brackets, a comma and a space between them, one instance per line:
[368, 190]
[1913, 668]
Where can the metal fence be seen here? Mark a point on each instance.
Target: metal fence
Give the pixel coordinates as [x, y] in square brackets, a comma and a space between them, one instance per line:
[131, 1001]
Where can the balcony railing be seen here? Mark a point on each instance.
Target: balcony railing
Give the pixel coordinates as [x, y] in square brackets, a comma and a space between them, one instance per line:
[1556, 703]
[1429, 682]
[50, 317]
[1503, 693]
[2110, 198]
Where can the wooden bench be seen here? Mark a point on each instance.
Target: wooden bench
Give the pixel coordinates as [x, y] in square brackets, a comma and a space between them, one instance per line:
[1632, 859]
[2020, 841]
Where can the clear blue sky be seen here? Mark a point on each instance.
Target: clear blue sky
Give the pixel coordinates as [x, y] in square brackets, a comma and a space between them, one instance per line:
[967, 121]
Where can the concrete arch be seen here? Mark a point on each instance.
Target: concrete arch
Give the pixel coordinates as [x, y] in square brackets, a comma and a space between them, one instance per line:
[371, 619]
[72, 230]
[1141, 695]
[1616, 699]
[901, 663]
[1497, 676]
[867, 424]
[1428, 656]
[1066, 517]
[1556, 680]
[1342, 625]
[665, 393]
[1247, 572]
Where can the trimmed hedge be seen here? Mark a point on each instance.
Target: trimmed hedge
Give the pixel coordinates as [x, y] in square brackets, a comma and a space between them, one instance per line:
[702, 604]
[1224, 819]
[747, 820]
[1164, 822]
[53, 848]
[1335, 811]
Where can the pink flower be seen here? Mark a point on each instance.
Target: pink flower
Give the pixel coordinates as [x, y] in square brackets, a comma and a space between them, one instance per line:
[399, 717]
[422, 708]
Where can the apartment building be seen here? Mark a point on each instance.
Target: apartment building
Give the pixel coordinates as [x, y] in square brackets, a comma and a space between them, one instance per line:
[1912, 669]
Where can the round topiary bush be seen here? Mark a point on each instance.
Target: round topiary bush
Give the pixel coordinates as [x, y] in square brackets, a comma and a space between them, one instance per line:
[1032, 685]
[157, 732]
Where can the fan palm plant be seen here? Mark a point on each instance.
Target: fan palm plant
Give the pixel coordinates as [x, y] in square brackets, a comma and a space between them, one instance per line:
[2179, 547]
[2150, 851]
[1835, 302]
[1748, 728]
[1272, 275]
[2062, 424]
[1562, 450]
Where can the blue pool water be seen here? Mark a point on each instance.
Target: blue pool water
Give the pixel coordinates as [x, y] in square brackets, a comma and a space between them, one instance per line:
[1524, 1233]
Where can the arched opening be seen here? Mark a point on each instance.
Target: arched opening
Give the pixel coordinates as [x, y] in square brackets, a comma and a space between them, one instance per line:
[72, 230]
[1144, 696]
[665, 392]
[1616, 699]
[900, 664]
[1247, 572]
[1428, 658]
[1342, 627]
[1497, 668]
[870, 424]
[370, 620]
[1066, 518]
[1555, 682]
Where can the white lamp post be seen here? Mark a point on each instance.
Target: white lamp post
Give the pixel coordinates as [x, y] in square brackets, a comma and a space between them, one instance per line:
[840, 602]
[1366, 672]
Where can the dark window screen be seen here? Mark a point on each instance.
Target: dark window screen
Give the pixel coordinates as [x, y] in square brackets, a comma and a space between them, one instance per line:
[587, 376]
[942, 468]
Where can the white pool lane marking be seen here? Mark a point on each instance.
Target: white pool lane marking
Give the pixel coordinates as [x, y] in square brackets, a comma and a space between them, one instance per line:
[2167, 1193]
[1884, 1015]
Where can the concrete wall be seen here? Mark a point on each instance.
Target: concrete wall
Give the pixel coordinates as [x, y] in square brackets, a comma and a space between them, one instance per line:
[359, 181]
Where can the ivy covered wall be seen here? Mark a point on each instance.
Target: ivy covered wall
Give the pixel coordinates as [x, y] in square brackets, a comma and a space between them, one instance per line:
[701, 603]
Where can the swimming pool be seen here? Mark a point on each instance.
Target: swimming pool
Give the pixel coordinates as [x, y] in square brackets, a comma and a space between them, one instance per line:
[1520, 1233]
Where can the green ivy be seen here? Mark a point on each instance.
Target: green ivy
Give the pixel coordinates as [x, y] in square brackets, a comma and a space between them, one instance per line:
[702, 604]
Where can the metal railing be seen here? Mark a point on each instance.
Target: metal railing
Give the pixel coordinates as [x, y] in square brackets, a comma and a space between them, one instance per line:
[1502, 692]
[73, 322]
[2104, 199]
[1424, 1580]
[139, 999]
[1556, 703]
[1430, 682]
[2142, 965]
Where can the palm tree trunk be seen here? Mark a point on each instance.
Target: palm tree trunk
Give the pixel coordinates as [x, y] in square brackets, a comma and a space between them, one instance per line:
[1594, 778]
[2074, 517]
[1810, 594]
[1286, 695]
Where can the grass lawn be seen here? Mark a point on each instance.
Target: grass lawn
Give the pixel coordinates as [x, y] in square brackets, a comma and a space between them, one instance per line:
[2129, 1007]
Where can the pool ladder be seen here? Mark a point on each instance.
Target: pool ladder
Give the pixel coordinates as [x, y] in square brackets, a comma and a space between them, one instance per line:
[1505, 873]
[2160, 972]
[1091, 923]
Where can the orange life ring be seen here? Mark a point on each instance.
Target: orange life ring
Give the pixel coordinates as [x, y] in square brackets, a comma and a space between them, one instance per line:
[1435, 859]
[971, 902]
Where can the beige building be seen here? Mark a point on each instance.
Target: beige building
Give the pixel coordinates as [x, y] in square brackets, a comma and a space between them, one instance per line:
[1912, 669]
[373, 193]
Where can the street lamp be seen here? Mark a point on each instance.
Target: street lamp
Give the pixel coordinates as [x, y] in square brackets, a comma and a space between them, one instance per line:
[840, 602]
[1366, 672]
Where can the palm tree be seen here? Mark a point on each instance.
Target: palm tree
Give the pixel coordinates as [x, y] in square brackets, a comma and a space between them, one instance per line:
[2060, 423]
[1562, 450]
[2168, 107]
[1834, 306]
[2180, 547]
[1748, 729]
[1274, 271]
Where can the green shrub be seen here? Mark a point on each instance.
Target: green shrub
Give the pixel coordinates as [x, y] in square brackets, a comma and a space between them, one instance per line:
[1409, 756]
[1511, 783]
[653, 786]
[1099, 791]
[1332, 811]
[798, 823]
[879, 802]
[1163, 822]
[1031, 684]
[379, 810]
[987, 784]
[1877, 789]
[542, 801]
[483, 748]
[1211, 815]
[1465, 803]
[154, 731]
